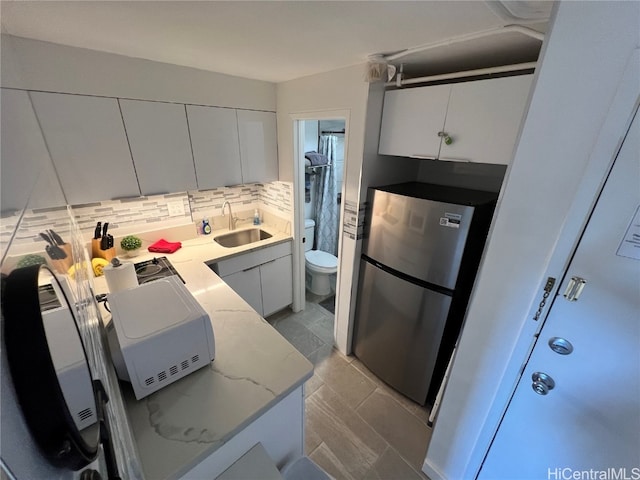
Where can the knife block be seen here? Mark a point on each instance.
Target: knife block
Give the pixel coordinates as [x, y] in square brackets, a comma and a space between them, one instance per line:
[97, 252]
[62, 266]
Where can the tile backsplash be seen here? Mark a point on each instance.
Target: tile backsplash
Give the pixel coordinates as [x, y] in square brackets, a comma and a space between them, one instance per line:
[146, 213]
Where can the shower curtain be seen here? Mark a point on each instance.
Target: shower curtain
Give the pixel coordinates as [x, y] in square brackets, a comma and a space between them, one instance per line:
[327, 211]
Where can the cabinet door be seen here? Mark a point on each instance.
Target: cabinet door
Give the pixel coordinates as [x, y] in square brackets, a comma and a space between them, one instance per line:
[411, 120]
[159, 141]
[483, 119]
[258, 146]
[88, 146]
[215, 144]
[246, 283]
[27, 174]
[277, 286]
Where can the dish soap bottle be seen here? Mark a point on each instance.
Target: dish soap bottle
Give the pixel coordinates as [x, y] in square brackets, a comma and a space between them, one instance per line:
[256, 217]
[206, 228]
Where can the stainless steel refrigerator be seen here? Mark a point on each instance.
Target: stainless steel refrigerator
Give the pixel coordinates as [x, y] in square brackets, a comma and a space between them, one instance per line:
[421, 251]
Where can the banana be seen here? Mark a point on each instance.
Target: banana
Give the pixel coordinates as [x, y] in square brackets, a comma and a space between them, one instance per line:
[98, 265]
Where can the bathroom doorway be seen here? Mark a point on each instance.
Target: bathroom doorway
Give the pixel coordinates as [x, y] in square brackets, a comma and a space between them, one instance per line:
[320, 152]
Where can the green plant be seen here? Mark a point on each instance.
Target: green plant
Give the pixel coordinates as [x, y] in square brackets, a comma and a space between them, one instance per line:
[130, 242]
[31, 259]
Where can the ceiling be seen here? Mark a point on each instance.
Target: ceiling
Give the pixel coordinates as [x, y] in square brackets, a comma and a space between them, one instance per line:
[278, 41]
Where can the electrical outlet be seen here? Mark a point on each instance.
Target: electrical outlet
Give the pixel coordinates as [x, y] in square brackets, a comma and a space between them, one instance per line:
[176, 208]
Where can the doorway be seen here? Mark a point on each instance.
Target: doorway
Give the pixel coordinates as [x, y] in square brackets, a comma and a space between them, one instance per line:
[320, 146]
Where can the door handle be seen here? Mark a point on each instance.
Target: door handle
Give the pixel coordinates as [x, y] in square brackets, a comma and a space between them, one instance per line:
[542, 383]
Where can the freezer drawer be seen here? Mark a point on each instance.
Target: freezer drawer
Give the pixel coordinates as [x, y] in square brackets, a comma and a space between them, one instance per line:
[398, 330]
[424, 239]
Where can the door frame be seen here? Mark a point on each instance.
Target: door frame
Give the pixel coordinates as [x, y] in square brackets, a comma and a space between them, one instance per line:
[298, 120]
[615, 126]
[557, 301]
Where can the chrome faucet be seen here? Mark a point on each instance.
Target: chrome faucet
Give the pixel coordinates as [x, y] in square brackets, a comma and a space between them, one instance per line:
[232, 221]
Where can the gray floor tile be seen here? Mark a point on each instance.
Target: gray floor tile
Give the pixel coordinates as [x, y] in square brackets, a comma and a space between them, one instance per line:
[322, 326]
[386, 438]
[298, 335]
[350, 445]
[346, 380]
[325, 458]
[391, 466]
[320, 354]
[396, 425]
[419, 411]
[311, 441]
[311, 385]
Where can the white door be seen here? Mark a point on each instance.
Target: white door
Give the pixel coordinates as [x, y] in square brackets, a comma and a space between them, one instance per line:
[590, 420]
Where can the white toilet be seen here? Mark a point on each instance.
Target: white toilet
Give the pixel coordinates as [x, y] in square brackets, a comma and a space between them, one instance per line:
[318, 265]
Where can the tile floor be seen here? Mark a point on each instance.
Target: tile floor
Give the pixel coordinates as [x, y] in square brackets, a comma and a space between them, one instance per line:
[356, 426]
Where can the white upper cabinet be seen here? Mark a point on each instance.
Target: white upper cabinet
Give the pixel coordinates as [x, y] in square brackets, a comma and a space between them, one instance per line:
[159, 140]
[258, 146]
[483, 119]
[411, 120]
[27, 174]
[88, 146]
[215, 144]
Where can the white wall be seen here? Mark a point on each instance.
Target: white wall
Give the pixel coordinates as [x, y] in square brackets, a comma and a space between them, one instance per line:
[319, 96]
[582, 63]
[36, 65]
[315, 97]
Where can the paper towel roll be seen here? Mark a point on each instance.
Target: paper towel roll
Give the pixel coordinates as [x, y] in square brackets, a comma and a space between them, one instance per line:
[120, 276]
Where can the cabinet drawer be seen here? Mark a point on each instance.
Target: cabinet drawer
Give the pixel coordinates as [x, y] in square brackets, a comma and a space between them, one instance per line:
[248, 260]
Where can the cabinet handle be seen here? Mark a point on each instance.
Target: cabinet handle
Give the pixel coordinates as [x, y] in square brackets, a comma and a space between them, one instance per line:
[127, 197]
[155, 193]
[419, 156]
[445, 136]
[462, 160]
[265, 263]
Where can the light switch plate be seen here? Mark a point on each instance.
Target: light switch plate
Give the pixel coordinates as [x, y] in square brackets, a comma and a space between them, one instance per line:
[176, 208]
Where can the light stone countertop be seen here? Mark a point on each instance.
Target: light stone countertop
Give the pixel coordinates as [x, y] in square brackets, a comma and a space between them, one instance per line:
[255, 367]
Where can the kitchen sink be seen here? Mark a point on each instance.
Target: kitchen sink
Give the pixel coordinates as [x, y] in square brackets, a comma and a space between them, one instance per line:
[241, 237]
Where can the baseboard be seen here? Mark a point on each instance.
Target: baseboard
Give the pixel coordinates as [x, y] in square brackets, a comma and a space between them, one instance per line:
[431, 471]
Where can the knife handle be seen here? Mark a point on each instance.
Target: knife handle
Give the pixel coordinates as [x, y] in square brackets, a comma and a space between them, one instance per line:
[98, 252]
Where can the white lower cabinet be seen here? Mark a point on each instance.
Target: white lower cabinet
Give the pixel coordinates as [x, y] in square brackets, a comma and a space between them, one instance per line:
[263, 278]
[277, 287]
[246, 283]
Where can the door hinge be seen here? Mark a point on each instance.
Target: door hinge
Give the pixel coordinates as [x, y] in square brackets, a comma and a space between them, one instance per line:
[574, 288]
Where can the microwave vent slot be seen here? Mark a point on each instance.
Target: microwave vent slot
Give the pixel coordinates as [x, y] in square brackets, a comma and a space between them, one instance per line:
[173, 370]
[85, 414]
